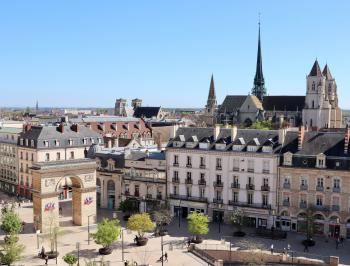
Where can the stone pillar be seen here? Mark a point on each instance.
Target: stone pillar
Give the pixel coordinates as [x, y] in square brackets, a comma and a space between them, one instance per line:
[84, 205]
[333, 261]
[45, 207]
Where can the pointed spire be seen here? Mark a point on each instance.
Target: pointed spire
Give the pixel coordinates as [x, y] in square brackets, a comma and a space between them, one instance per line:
[212, 88]
[327, 73]
[259, 82]
[315, 70]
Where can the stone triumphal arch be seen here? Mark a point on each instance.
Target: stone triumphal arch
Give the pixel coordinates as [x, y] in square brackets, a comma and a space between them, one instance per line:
[46, 179]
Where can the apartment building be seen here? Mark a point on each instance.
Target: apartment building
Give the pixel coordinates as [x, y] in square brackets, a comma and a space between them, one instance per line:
[315, 180]
[215, 170]
[51, 143]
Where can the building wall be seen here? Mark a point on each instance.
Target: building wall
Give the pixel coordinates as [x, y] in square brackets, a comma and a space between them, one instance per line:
[8, 167]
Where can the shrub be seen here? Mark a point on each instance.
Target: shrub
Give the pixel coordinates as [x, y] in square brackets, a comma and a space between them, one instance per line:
[11, 223]
[70, 259]
[198, 223]
[140, 222]
[108, 231]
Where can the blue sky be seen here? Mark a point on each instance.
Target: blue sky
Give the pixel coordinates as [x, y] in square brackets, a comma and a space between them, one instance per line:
[88, 53]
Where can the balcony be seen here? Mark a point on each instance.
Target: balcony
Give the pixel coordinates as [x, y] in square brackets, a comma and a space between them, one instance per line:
[335, 208]
[149, 196]
[265, 188]
[303, 205]
[219, 167]
[250, 170]
[235, 185]
[235, 169]
[250, 187]
[159, 197]
[137, 194]
[218, 183]
[321, 207]
[189, 165]
[190, 198]
[320, 188]
[286, 185]
[250, 205]
[218, 201]
[336, 189]
[202, 166]
[303, 187]
[266, 171]
[175, 180]
[202, 182]
[286, 203]
[188, 181]
[21, 170]
[176, 164]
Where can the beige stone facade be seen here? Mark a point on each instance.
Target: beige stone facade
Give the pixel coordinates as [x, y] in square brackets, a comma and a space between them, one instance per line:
[325, 192]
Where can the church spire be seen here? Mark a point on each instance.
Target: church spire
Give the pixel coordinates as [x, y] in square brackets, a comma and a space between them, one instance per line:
[211, 102]
[259, 82]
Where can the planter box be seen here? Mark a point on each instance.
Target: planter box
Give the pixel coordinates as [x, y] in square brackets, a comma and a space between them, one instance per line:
[105, 251]
[52, 255]
[141, 241]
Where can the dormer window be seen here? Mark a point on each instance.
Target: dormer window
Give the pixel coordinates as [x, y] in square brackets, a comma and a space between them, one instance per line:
[111, 165]
[84, 141]
[32, 143]
[27, 142]
[21, 141]
[57, 143]
[321, 161]
[252, 148]
[99, 140]
[70, 142]
[92, 140]
[287, 159]
[46, 143]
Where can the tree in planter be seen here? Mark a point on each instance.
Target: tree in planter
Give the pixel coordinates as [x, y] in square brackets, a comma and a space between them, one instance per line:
[127, 207]
[11, 251]
[11, 224]
[310, 227]
[70, 259]
[108, 232]
[161, 217]
[140, 222]
[52, 235]
[237, 220]
[198, 225]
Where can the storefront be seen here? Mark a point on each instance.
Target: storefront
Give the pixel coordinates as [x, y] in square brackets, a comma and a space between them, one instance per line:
[184, 207]
[334, 227]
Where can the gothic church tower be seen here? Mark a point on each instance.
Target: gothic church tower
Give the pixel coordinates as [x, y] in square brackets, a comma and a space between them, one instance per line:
[210, 108]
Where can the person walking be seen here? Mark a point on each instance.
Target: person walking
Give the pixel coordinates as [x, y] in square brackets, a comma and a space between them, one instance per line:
[46, 259]
[166, 257]
[271, 248]
[306, 247]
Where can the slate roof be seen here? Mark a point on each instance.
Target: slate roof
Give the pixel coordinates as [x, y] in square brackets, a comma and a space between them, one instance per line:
[101, 119]
[146, 111]
[315, 70]
[284, 103]
[51, 133]
[232, 103]
[141, 156]
[248, 135]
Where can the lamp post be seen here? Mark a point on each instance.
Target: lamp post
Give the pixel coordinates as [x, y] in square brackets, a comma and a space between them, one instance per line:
[78, 248]
[37, 238]
[179, 213]
[89, 228]
[56, 246]
[115, 216]
[230, 237]
[161, 242]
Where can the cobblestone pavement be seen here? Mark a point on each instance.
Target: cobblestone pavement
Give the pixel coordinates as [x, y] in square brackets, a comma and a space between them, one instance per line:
[151, 253]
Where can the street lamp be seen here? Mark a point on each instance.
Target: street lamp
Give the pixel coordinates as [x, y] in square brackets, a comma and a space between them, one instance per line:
[37, 238]
[115, 216]
[78, 248]
[230, 237]
[89, 227]
[179, 212]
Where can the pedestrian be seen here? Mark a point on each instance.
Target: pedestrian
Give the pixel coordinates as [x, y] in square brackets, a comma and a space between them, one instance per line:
[46, 259]
[166, 256]
[271, 248]
[306, 247]
[42, 252]
[337, 243]
[126, 263]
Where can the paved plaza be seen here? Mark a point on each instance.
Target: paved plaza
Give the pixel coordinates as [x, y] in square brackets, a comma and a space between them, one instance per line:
[173, 244]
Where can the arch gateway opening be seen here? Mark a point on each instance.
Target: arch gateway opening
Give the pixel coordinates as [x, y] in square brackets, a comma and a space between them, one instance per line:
[49, 188]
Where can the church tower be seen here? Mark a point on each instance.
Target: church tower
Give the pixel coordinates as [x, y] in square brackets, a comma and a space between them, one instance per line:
[210, 108]
[259, 82]
[321, 102]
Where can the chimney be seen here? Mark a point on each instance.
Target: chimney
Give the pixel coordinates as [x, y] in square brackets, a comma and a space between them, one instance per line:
[61, 128]
[233, 133]
[173, 130]
[75, 127]
[346, 139]
[159, 141]
[27, 127]
[301, 134]
[216, 132]
[282, 135]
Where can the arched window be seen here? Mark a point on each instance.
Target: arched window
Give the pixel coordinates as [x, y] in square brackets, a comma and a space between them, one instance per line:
[110, 186]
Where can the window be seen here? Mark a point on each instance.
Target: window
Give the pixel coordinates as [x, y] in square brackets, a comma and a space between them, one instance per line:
[27, 156]
[218, 195]
[218, 179]
[32, 157]
[32, 143]
[235, 180]
[47, 157]
[303, 181]
[250, 180]
[137, 190]
[176, 160]
[21, 142]
[303, 198]
[236, 164]
[218, 164]
[58, 156]
[188, 191]
[202, 161]
[319, 200]
[175, 190]
[265, 182]
[176, 175]
[313, 85]
[189, 161]
[265, 200]
[46, 143]
[250, 166]
[266, 167]
[287, 159]
[72, 155]
[235, 196]
[250, 198]
[319, 182]
[57, 143]
[335, 201]
[84, 141]
[202, 192]
[336, 183]
[189, 175]
[21, 155]
[70, 142]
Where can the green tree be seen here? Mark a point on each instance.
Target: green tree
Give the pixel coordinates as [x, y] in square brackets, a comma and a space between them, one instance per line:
[11, 223]
[237, 219]
[127, 206]
[161, 217]
[70, 259]
[264, 125]
[11, 251]
[140, 222]
[198, 224]
[108, 232]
